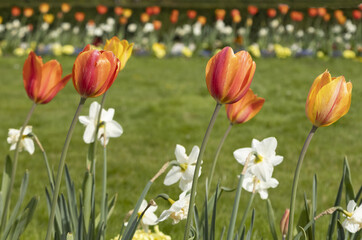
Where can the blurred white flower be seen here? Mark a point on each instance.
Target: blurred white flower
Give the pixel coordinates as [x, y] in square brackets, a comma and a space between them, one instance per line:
[144, 40]
[106, 28]
[295, 47]
[65, 26]
[16, 23]
[26, 142]
[177, 48]
[98, 32]
[289, 28]
[227, 30]
[76, 30]
[353, 222]
[300, 33]
[197, 29]
[311, 30]
[132, 27]
[262, 158]
[263, 32]
[2, 28]
[280, 29]
[55, 34]
[241, 31]
[8, 26]
[320, 33]
[184, 172]
[274, 23]
[44, 26]
[347, 36]
[251, 183]
[336, 29]
[148, 28]
[187, 28]
[178, 210]
[338, 39]
[108, 127]
[351, 28]
[179, 31]
[111, 21]
[219, 25]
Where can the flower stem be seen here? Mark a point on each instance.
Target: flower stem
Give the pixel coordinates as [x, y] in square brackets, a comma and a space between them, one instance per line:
[13, 170]
[197, 170]
[296, 179]
[247, 209]
[217, 156]
[104, 192]
[61, 167]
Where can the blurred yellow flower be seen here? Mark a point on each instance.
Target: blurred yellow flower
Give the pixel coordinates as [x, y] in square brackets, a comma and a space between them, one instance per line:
[33, 45]
[19, 52]
[57, 49]
[187, 52]
[127, 13]
[159, 50]
[349, 54]
[48, 18]
[320, 54]
[1, 19]
[254, 50]
[68, 49]
[142, 235]
[282, 52]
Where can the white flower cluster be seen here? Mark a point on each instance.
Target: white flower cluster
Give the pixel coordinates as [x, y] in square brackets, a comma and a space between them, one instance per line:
[261, 159]
[26, 141]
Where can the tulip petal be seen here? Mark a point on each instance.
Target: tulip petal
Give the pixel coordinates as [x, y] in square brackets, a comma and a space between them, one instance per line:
[32, 74]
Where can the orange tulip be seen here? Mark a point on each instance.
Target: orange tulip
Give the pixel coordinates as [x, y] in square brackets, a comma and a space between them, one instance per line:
[283, 8]
[79, 16]
[322, 11]
[65, 7]
[313, 12]
[44, 8]
[15, 11]
[157, 24]
[144, 17]
[234, 12]
[339, 15]
[101, 9]
[156, 10]
[237, 18]
[229, 75]
[94, 72]
[123, 20]
[202, 20]
[48, 18]
[28, 12]
[42, 81]
[244, 109]
[121, 49]
[118, 11]
[174, 16]
[327, 17]
[191, 14]
[296, 16]
[252, 10]
[328, 100]
[220, 14]
[271, 12]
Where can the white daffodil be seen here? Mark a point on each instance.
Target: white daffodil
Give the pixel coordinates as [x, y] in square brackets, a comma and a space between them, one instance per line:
[185, 170]
[353, 222]
[149, 218]
[26, 142]
[179, 209]
[108, 127]
[252, 184]
[262, 158]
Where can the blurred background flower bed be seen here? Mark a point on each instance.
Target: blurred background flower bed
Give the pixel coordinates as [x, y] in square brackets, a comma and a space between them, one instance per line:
[185, 28]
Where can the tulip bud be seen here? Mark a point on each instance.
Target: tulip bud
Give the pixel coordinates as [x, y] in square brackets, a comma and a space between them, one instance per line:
[244, 109]
[284, 223]
[42, 81]
[328, 100]
[121, 49]
[229, 75]
[94, 72]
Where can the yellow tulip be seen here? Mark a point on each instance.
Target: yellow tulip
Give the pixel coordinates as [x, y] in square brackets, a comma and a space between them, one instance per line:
[121, 49]
[328, 100]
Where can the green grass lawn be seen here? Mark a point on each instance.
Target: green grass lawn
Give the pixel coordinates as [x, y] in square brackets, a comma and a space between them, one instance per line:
[161, 103]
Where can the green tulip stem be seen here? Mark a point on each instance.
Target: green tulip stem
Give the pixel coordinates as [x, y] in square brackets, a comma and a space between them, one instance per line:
[13, 170]
[197, 170]
[211, 175]
[296, 179]
[61, 167]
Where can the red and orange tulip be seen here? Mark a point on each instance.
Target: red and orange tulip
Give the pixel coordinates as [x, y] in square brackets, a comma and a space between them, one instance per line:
[144, 17]
[244, 109]
[94, 72]
[127, 13]
[48, 18]
[322, 11]
[328, 100]
[296, 16]
[174, 16]
[283, 8]
[312, 12]
[65, 7]
[118, 11]
[121, 49]
[202, 20]
[28, 12]
[271, 12]
[220, 14]
[79, 16]
[191, 14]
[252, 10]
[229, 75]
[42, 81]
[101, 9]
[157, 24]
[357, 14]
[15, 11]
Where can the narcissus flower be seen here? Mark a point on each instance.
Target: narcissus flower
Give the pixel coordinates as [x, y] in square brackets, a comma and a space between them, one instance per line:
[244, 109]
[26, 141]
[328, 100]
[94, 71]
[42, 81]
[185, 171]
[229, 75]
[252, 183]
[121, 49]
[353, 222]
[178, 210]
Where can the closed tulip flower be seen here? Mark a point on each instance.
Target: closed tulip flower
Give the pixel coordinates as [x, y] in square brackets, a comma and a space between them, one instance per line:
[44, 8]
[94, 72]
[121, 49]
[229, 75]
[244, 109]
[328, 100]
[42, 81]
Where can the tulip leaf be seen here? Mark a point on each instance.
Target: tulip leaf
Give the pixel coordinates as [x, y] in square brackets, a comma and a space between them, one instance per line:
[314, 205]
[5, 182]
[87, 203]
[250, 231]
[340, 231]
[348, 182]
[271, 219]
[222, 233]
[72, 201]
